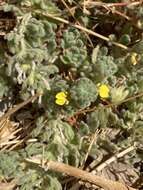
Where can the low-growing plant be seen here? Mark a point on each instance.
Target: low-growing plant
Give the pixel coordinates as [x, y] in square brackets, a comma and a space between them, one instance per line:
[83, 86]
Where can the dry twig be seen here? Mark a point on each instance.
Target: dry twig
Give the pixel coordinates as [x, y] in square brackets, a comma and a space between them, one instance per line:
[93, 140]
[64, 3]
[101, 166]
[140, 94]
[113, 158]
[17, 107]
[84, 29]
[80, 174]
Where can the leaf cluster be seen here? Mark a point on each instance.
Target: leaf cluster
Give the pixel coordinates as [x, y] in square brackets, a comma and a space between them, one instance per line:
[46, 56]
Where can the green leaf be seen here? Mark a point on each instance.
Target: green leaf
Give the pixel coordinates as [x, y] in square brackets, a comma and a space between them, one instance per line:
[118, 94]
[94, 54]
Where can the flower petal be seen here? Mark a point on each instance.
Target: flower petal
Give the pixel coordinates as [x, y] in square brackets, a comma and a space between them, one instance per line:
[104, 91]
[61, 95]
[60, 102]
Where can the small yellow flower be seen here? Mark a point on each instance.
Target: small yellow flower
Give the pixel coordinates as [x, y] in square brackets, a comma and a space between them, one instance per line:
[104, 91]
[61, 98]
[134, 58]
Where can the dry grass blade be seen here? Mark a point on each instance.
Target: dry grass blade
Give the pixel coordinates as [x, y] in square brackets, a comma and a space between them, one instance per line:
[9, 130]
[8, 186]
[2, 33]
[89, 4]
[93, 140]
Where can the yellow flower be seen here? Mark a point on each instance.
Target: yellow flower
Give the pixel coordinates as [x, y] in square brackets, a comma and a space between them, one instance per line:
[61, 98]
[104, 91]
[134, 58]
